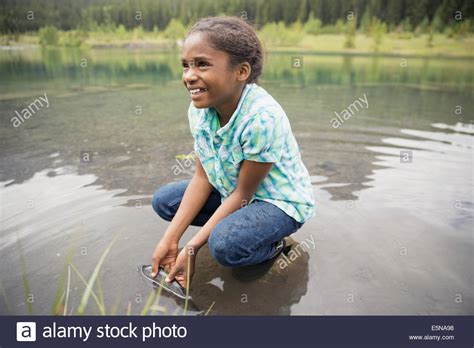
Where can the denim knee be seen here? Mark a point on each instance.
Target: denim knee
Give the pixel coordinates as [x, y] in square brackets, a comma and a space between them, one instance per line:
[222, 247]
[161, 203]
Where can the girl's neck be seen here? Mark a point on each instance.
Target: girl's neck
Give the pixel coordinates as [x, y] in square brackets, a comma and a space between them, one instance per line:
[225, 111]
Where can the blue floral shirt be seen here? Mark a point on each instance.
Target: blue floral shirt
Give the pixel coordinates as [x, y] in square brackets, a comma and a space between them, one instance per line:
[259, 131]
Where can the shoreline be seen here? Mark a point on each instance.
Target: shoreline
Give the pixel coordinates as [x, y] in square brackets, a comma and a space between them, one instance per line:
[325, 44]
[137, 46]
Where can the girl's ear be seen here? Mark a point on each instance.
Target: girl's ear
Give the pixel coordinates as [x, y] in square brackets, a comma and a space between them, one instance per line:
[243, 71]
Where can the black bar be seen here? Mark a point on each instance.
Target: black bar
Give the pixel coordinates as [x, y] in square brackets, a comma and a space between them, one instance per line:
[244, 331]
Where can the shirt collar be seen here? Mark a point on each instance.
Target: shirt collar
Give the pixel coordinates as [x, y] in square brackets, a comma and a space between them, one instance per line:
[206, 118]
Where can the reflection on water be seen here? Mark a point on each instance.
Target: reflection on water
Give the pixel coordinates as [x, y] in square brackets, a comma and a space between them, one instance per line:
[392, 237]
[404, 246]
[29, 70]
[48, 204]
[445, 159]
[214, 283]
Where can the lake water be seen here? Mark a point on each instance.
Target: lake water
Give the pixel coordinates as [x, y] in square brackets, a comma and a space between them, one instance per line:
[393, 183]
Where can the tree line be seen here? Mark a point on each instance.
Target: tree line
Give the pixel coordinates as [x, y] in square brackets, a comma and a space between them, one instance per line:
[18, 16]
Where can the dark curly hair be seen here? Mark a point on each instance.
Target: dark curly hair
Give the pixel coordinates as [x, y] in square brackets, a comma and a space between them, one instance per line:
[235, 37]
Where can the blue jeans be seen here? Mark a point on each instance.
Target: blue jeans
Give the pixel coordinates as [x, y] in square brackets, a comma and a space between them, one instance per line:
[248, 236]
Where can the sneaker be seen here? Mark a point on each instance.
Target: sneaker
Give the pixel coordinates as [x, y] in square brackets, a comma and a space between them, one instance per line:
[279, 247]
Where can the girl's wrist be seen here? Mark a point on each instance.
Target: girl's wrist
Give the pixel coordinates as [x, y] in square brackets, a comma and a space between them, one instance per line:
[171, 238]
[192, 248]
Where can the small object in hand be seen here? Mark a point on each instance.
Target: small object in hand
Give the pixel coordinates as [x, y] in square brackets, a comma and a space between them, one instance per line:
[159, 280]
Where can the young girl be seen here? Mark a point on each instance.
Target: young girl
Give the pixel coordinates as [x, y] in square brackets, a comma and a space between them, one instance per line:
[250, 188]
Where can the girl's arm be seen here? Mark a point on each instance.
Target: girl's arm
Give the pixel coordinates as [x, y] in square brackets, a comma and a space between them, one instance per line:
[194, 198]
[250, 176]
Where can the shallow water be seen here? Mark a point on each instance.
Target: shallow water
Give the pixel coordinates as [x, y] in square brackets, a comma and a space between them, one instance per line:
[392, 236]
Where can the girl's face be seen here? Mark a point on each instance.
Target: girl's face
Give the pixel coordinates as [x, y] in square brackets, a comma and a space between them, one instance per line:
[209, 77]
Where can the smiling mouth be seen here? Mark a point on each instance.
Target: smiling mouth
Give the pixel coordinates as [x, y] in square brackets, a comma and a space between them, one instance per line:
[197, 91]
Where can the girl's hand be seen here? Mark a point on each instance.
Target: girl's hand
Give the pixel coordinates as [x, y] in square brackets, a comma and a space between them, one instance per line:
[183, 267]
[165, 255]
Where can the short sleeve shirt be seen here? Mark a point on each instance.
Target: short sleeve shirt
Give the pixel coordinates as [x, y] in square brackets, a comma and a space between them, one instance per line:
[259, 131]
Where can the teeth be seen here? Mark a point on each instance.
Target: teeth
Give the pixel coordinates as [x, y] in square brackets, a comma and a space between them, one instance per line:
[197, 90]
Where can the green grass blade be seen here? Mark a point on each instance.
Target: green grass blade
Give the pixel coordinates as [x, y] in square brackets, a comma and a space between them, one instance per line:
[4, 297]
[210, 307]
[67, 289]
[154, 295]
[187, 285]
[113, 310]
[92, 279]
[148, 303]
[24, 277]
[59, 295]
[94, 296]
[56, 308]
[101, 292]
[158, 297]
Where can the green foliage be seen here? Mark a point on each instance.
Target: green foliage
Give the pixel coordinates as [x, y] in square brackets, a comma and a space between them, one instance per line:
[406, 25]
[316, 16]
[329, 29]
[297, 27]
[378, 30]
[462, 29]
[437, 23]
[121, 31]
[350, 33]
[340, 26]
[175, 30]
[73, 38]
[313, 25]
[138, 32]
[106, 28]
[423, 27]
[365, 22]
[449, 32]
[49, 36]
[429, 38]
[279, 35]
